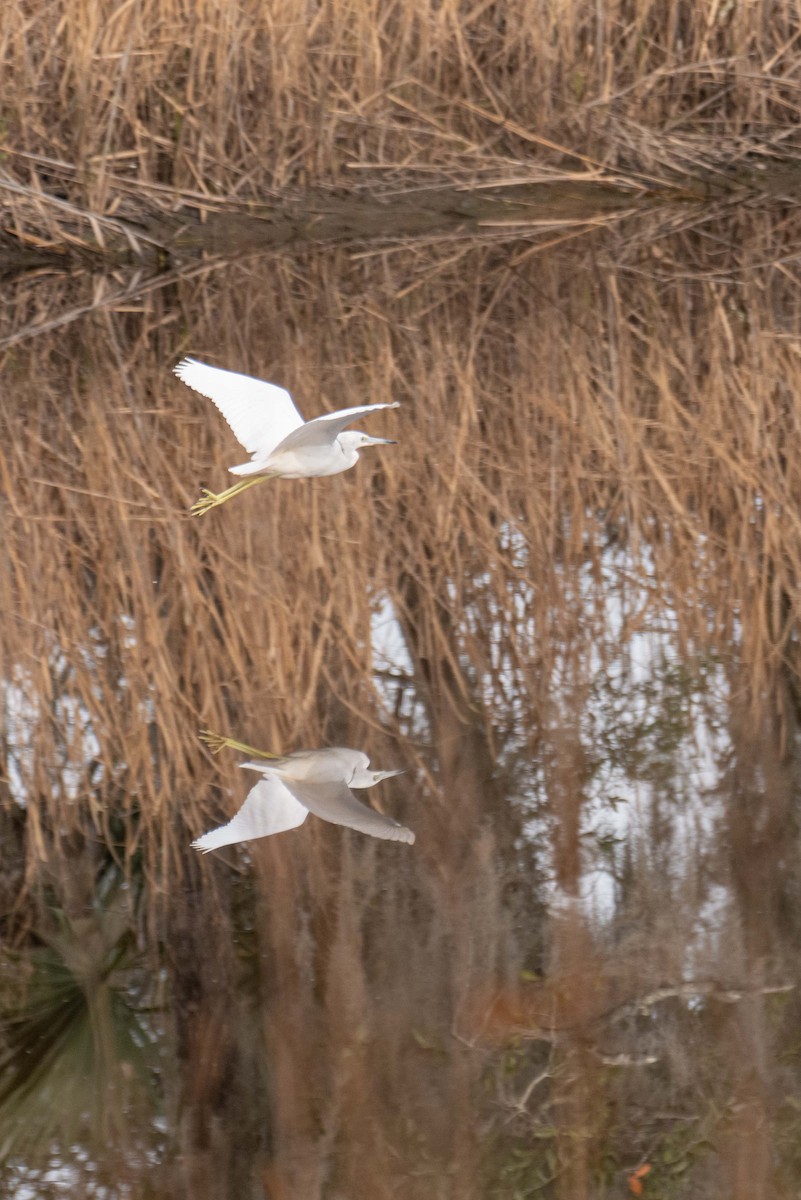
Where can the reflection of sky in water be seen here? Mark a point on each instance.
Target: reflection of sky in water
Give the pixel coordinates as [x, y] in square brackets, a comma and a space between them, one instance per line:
[636, 676]
[653, 729]
[393, 671]
[674, 721]
[79, 744]
[390, 653]
[80, 747]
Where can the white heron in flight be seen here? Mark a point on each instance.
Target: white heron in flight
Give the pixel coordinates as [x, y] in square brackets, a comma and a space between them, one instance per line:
[264, 419]
[316, 781]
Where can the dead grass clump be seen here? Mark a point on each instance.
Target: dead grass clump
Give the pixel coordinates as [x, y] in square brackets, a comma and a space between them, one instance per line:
[155, 107]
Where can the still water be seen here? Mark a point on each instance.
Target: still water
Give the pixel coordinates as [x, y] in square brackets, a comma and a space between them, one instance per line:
[565, 604]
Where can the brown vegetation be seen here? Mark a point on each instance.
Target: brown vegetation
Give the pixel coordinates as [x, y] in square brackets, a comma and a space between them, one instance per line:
[587, 544]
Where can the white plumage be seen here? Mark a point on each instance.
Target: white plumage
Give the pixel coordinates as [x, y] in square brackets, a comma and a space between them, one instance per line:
[260, 414]
[266, 422]
[316, 781]
[268, 808]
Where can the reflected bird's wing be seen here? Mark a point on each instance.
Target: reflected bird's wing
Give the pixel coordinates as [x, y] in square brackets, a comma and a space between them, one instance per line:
[324, 431]
[335, 802]
[260, 414]
[269, 808]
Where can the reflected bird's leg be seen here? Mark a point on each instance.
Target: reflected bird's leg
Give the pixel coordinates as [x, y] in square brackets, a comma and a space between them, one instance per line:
[216, 742]
[212, 499]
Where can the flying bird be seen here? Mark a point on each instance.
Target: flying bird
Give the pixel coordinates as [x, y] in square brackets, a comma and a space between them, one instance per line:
[316, 781]
[265, 421]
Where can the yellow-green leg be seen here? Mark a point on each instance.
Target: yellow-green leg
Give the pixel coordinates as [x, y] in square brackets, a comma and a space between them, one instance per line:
[212, 499]
[216, 742]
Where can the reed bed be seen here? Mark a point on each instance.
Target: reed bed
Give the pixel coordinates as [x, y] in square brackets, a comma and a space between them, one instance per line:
[116, 113]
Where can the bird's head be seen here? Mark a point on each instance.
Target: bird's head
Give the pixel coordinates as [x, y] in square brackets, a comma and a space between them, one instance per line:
[355, 441]
[362, 778]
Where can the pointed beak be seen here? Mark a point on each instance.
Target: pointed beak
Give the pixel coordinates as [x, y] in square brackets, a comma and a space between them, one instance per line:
[267, 764]
[388, 774]
[383, 442]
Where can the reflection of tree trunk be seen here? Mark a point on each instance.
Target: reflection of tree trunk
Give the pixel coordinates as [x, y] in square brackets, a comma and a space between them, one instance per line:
[290, 1028]
[574, 973]
[759, 834]
[463, 755]
[220, 1096]
[458, 840]
[352, 1094]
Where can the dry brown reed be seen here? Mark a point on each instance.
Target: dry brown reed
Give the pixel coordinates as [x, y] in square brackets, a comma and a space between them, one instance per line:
[114, 110]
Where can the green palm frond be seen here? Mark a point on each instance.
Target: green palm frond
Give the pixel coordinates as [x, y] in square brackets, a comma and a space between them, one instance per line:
[75, 1054]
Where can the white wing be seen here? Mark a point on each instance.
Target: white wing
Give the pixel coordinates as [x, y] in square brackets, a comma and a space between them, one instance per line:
[260, 414]
[324, 431]
[269, 808]
[335, 802]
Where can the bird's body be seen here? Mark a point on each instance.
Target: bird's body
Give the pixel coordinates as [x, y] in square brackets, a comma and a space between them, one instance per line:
[266, 422]
[316, 781]
[288, 463]
[331, 765]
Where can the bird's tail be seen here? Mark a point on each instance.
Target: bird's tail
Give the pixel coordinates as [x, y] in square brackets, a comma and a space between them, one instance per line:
[264, 768]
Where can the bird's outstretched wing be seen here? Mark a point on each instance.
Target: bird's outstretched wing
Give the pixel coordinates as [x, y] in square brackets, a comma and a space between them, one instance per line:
[336, 803]
[324, 431]
[268, 808]
[260, 414]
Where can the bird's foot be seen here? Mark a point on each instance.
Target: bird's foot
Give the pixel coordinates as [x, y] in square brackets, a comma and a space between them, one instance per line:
[217, 742]
[207, 500]
[212, 499]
